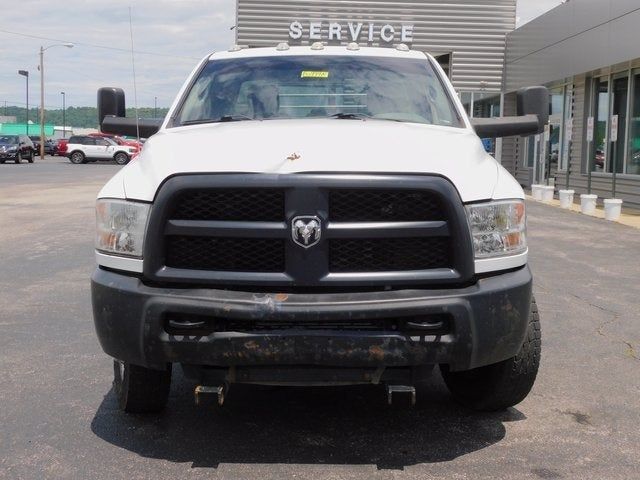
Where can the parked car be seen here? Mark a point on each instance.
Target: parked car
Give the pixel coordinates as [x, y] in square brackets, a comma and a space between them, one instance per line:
[16, 148]
[367, 241]
[35, 139]
[50, 146]
[119, 140]
[61, 149]
[83, 149]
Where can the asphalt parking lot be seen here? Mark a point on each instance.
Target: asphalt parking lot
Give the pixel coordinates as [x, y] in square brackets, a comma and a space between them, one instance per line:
[59, 419]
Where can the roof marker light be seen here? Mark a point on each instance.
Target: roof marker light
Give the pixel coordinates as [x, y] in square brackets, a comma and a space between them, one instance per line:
[235, 48]
[353, 46]
[402, 47]
[317, 46]
[281, 47]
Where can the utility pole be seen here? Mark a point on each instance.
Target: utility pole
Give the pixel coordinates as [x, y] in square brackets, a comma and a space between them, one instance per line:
[41, 102]
[25, 74]
[155, 107]
[42, 49]
[64, 123]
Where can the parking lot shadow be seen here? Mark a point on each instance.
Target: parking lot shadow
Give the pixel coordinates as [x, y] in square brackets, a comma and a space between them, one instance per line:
[342, 425]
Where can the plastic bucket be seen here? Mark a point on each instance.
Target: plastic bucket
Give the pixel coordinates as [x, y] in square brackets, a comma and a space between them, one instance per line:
[547, 194]
[536, 192]
[566, 198]
[588, 204]
[612, 209]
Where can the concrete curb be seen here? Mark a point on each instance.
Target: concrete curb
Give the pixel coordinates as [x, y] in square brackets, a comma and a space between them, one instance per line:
[625, 219]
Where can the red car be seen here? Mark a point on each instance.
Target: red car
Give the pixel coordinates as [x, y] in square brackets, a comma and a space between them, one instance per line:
[119, 140]
[62, 147]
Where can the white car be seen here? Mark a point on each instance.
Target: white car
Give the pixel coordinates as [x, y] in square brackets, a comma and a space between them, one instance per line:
[343, 226]
[84, 148]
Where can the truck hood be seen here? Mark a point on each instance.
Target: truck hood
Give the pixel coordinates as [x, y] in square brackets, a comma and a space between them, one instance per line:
[314, 145]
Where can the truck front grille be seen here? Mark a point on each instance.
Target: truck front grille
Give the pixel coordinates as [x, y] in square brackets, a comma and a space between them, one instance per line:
[225, 254]
[388, 254]
[233, 230]
[384, 206]
[251, 205]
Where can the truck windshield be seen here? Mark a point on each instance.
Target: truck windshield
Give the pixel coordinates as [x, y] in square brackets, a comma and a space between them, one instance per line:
[259, 88]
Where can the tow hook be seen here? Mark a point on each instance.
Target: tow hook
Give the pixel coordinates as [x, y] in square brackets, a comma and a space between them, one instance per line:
[401, 389]
[204, 391]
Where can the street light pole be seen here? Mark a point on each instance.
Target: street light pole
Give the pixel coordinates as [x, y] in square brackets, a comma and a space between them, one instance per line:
[64, 123]
[25, 74]
[42, 50]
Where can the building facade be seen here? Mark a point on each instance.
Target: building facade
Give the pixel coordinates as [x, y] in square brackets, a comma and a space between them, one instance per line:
[587, 53]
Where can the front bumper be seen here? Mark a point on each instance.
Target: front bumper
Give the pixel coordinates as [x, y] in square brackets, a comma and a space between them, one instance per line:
[487, 324]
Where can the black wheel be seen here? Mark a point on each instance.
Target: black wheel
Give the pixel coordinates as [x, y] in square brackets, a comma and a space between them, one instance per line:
[19, 157]
[31, 156]
[77, 158]
[504, 384]
[140, 389]
[121, 158]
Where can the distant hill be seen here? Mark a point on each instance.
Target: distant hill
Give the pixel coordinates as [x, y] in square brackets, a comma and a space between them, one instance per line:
[81, 117]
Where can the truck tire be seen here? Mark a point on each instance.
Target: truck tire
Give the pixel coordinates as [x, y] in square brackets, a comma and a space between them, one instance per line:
[501, 385]
[140, 389]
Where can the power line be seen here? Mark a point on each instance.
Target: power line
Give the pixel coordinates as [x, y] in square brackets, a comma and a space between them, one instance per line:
[93, 45]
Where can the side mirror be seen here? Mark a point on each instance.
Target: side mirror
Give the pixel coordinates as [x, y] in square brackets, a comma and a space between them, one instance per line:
[112, 116]
[532, 106]
[111, 102]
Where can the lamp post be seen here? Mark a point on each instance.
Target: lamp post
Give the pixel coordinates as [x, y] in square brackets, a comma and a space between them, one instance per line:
[25, 74]
[64, 123]
[42, 50]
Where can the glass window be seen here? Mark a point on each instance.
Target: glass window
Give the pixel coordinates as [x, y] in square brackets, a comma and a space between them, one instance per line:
[555, 127]
[616, 150]
[465, 98]
[487, 105]
[319, 87]
[601, 123]
[531, 151]
[633, 158]
[568, 115]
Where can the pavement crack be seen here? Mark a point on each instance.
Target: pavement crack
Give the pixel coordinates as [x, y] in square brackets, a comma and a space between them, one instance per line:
[630, 350]
[594, 305]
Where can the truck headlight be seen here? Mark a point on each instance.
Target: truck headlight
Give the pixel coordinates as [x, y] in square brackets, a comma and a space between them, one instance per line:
[498, 228]
[120, 227]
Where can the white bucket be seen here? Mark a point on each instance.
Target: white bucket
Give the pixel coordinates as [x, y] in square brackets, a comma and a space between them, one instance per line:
[566, 198]
[536, 192]
[547, 194]
[588, 204]
[612, 209]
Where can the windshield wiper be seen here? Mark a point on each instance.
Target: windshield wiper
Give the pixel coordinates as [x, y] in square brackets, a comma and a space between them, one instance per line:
[350, 116]
[225, 118]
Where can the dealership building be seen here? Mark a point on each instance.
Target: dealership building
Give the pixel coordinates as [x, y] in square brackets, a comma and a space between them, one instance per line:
[585, 51]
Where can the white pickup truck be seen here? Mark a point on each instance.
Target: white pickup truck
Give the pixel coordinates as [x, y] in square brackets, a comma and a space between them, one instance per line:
[316, 216]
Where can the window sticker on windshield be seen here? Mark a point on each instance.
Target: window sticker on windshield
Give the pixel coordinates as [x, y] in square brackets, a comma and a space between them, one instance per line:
[314, 74]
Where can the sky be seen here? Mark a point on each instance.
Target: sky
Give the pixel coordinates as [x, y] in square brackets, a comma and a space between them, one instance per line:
[169, 36]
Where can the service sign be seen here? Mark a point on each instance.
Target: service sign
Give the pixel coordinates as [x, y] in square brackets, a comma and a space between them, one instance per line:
[350, 31]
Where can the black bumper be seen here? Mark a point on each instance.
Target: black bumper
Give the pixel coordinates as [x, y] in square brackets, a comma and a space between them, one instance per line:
[487, 324]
